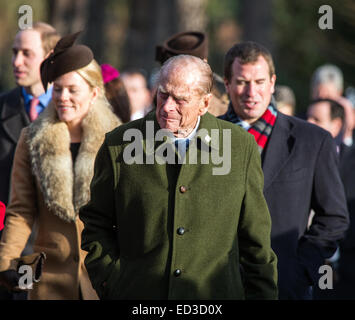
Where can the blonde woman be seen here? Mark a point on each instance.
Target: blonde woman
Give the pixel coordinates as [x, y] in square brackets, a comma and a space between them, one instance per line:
[52, 171]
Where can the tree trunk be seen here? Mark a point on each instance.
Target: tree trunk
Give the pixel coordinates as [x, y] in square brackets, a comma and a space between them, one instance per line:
[94, 34]
[256, 17]
[192, 15]
[68, 16]
[151, 21]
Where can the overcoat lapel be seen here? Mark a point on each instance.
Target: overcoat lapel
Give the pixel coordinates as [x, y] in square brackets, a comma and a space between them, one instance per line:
[200, 150]
[278, 150]
[13, 115]
[208, 122]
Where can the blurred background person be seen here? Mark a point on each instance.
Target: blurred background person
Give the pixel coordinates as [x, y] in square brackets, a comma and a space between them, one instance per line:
[285, 100]
[195, 43]
[138, 93]
[116, 92]
[350, 95]
[21, 105]
[327, 82]
[329, 115]
[344, 287]
[53, 168]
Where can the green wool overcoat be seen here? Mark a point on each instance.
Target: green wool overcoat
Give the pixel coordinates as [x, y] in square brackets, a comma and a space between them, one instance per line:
[155, 230]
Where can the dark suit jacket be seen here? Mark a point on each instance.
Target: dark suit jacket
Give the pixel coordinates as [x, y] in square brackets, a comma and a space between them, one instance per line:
[344, 288]
[13, 118]
[301, 173]
[347, 171]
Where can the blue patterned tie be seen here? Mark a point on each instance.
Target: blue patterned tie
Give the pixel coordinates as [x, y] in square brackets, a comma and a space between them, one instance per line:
[182, 142]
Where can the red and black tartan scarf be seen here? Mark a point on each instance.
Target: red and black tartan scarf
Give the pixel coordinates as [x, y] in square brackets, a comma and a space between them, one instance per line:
[261, 129]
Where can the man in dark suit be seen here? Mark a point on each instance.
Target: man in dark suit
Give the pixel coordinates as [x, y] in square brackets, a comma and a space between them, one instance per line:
[329, 115]
[299, 162]
[17, 107]
[344, 289]
[21, 105]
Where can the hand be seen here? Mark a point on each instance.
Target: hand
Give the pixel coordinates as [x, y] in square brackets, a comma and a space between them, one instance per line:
[10, 280]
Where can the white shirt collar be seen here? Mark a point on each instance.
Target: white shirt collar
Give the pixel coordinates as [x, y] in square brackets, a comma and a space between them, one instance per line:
[192, 134]
[181, 144]
[245, 125]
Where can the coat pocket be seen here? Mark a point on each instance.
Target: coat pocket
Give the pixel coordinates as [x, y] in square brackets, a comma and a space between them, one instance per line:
[111, 286]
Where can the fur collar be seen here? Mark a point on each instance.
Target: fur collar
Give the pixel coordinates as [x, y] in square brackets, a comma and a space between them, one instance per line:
[65, 190]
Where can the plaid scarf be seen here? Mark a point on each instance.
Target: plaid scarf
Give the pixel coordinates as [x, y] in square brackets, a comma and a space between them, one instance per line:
[261, 129]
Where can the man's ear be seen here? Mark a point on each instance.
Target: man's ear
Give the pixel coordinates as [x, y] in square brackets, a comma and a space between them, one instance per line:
[273, 81]
[205, 103]
[95, 93]
[226, 85]
[337, 125]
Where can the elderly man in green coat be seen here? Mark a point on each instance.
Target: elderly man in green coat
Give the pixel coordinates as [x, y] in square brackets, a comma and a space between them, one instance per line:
[175, 211]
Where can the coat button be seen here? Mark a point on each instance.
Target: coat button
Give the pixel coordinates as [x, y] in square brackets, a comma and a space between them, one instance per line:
[180, 231]
[177, 272]
[183, 189]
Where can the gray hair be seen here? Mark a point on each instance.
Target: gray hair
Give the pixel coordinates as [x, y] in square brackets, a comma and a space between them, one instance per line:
[284, 94]
[328, 73]
[192, 64]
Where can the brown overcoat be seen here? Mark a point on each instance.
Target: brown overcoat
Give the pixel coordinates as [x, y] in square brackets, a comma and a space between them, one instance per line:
[47, 191]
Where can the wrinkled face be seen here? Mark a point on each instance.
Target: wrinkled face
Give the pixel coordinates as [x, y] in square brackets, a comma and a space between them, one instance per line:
[250, 88]
[72, 97]
[27, 57]
[319, 114]
[179, 102]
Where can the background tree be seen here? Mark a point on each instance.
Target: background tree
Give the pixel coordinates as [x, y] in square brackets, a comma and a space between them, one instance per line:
[257, 21]
[149, 21]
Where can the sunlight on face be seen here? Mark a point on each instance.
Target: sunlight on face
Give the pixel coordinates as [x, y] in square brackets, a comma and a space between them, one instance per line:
[27, 55]
[72, 97]
[179, 102]
[250, 88]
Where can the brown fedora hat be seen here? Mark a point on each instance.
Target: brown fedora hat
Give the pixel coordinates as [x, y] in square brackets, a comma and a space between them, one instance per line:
[189, 42]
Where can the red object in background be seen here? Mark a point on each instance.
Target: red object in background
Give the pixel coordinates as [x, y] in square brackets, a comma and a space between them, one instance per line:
[109, 73]
[2, 215]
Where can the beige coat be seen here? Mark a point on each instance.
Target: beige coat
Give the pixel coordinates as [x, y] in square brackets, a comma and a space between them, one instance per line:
[47, 190]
